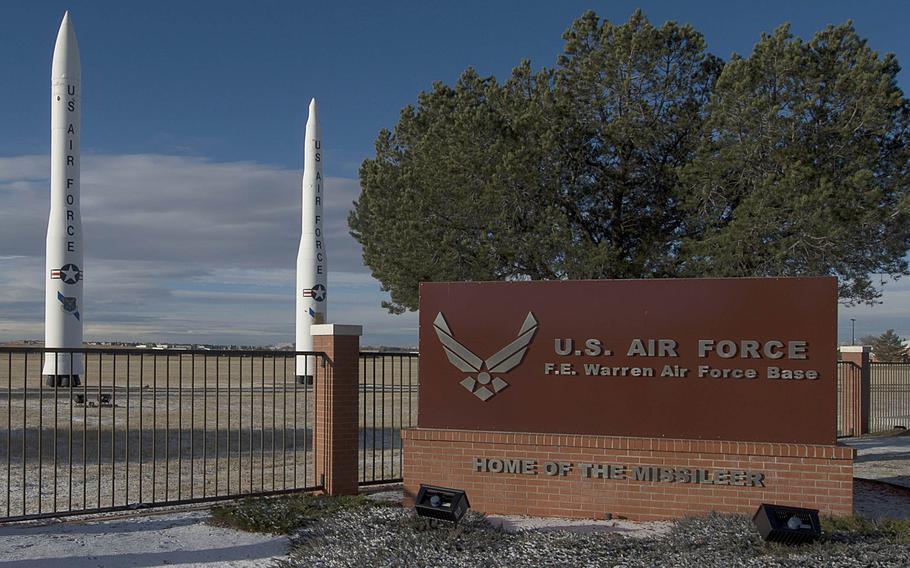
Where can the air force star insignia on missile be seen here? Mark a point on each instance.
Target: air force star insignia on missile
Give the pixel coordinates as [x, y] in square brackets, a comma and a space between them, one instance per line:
[485, 385]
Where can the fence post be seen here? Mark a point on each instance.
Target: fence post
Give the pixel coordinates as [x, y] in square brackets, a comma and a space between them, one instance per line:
[861, 385]
[336, 388]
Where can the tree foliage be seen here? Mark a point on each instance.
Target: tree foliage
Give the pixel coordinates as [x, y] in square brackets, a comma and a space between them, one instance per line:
[803, 166]
[867, 340]
[639, 154]
[888, 348]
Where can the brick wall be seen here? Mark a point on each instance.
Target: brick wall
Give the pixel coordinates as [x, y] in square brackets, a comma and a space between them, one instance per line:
[336, 402]
[815, 476]
[854, 390]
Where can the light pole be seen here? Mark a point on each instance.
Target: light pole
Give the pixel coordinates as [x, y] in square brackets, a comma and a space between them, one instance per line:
[853, 331]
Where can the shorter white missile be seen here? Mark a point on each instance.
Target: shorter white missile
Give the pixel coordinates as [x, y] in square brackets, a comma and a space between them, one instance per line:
[312, 271]
[63, 309]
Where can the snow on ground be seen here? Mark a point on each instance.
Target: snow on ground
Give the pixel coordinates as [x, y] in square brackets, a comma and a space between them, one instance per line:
[882, 458]
[184, 539]
[174, 539]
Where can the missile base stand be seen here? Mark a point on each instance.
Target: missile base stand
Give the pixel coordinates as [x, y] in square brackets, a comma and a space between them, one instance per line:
[63, 381]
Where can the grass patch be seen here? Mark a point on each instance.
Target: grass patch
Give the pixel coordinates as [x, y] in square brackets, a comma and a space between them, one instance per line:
[283, 514]
[895, 530]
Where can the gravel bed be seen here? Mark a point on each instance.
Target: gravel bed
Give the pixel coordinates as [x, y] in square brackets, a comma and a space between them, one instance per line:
[395, 537]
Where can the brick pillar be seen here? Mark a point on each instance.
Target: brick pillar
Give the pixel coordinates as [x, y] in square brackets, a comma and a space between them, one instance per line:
[336, 435]
[855, 390]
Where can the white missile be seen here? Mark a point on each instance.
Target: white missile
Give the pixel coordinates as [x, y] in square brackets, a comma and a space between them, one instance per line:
[312, 282]
[63, 309]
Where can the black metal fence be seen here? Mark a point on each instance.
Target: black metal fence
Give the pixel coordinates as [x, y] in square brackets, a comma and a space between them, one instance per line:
[889, 396]
[153, 427]
[388, 403]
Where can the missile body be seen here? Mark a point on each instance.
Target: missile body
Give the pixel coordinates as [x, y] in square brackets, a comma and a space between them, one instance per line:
[312, 282]
[63, 308]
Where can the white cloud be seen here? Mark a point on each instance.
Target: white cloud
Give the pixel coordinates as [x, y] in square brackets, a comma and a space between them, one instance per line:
[892, 313]
[24, 168]
[184, 249]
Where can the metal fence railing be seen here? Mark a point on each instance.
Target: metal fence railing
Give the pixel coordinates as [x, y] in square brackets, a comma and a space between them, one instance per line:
[152, 427]
[388, 403]
[889, 396]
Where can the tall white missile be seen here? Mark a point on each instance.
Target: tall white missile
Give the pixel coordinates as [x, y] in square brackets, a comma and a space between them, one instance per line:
[312, 281]
[63, 309]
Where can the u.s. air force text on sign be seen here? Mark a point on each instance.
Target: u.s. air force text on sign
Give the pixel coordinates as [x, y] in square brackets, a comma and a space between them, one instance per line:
[740, 352]
[642, 473]
[749, 359]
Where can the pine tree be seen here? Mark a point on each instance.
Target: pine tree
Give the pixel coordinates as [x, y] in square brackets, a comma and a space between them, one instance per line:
[888, 348]
[638, 155]
[803, 169]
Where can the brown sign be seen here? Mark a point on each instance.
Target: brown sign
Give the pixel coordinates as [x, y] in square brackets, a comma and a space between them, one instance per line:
[750, 359]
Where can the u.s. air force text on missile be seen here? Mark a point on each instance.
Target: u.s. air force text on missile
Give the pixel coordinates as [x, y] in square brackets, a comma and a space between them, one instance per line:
[654, 474]
[706, 349]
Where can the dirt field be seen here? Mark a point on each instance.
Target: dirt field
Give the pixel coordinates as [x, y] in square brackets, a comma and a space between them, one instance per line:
[179, 427]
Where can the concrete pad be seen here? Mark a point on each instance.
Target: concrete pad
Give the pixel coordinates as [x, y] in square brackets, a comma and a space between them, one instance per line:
[634, 529]
[388, 496]
[513, 524]
[878, 500]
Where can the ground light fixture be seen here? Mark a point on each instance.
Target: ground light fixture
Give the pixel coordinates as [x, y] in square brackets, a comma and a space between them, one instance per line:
[441, 503]
[787, 525]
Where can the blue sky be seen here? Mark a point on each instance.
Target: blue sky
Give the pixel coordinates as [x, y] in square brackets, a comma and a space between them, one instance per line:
[193, 114]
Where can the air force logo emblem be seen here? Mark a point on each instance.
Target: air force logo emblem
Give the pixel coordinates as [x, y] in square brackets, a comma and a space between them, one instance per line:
[485, 385]
[69, 305]
[69, 273]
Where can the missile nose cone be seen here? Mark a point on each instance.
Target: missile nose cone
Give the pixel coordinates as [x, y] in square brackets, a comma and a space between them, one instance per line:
[66, 26]
[312, 116]
[66, 50]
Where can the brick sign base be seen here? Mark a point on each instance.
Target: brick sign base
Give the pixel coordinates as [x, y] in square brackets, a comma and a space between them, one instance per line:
[803, 475]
